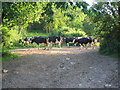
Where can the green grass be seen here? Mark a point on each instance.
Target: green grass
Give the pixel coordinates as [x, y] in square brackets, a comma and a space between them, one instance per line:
[6, 56]
[20, 46]
[114, 55]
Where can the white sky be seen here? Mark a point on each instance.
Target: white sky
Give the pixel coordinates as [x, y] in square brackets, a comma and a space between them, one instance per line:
[90, 2]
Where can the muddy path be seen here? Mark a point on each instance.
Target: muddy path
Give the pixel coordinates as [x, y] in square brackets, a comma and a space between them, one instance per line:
[60, 68]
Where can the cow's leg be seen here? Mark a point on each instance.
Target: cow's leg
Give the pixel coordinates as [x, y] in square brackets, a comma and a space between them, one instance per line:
[47, 46]
[38, 46]
[50, 45]
[86, 46]
[83, 46]
[89, 44]
[68, 44]
[25, 43]
[75, 44]
[93, 45]
[32, 44]
[80, 46]
[59, 44]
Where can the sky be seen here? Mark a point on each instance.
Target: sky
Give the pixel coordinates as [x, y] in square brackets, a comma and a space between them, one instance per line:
[89, 2]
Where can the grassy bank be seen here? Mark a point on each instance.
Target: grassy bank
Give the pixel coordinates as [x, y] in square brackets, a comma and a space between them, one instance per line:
[114, 55]
[6, 56]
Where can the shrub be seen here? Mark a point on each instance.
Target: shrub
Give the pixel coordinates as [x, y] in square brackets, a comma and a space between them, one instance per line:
[69, 32]
[9, 35]
[110, 46]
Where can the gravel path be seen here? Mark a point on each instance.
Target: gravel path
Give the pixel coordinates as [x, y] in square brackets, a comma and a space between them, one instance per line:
[60, 68]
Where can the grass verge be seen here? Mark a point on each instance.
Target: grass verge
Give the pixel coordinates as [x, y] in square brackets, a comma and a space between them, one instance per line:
[6, 56]
[114, 55]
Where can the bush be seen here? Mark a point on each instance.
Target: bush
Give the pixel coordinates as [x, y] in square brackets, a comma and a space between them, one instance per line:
[69, 32]
[110, 46]
[9, 35]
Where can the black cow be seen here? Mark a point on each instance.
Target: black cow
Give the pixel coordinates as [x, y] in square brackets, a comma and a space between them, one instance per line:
[55, 40]
[69, 40]
[83, 41]
[40, 40]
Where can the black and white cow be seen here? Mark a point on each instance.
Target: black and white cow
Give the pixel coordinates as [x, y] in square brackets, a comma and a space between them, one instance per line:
[40, 40]
[69, 40]
[84, 41]
[55, 40]
[25, 41]
[95, 41]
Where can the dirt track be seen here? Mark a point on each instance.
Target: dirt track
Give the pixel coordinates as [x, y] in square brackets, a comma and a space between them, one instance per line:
[61, 68]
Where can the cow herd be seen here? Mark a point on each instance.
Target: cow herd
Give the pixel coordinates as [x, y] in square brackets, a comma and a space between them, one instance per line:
[49, 41]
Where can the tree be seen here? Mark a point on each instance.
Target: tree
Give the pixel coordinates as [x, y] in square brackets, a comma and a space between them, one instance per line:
[106, 17]
[17, 15]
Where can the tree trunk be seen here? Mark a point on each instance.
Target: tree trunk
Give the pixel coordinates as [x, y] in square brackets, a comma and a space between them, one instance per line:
[46, 31]
[19, 29]
[29, 28]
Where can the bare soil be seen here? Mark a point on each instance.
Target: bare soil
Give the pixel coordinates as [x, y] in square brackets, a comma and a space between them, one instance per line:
[60, 68]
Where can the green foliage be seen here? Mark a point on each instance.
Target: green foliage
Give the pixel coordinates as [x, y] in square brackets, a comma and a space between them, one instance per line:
[89, 27]
[67, 22]
[110, 46]
[76, 17]
[106, 19]
[9, 35]
[34, 33]
[55, 18]
[22, 12]
[16, 16]
[70, 32]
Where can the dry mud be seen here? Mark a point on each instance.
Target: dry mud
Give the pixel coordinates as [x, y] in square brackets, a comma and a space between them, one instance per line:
[60, 68]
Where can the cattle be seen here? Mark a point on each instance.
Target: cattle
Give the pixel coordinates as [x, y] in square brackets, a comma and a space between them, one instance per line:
[78, 37]
[40, 40]
[89, 40]
[21, 41]
[69, 40]
[83, 41]
[55, 40]
[95, 41]
[25, 41]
